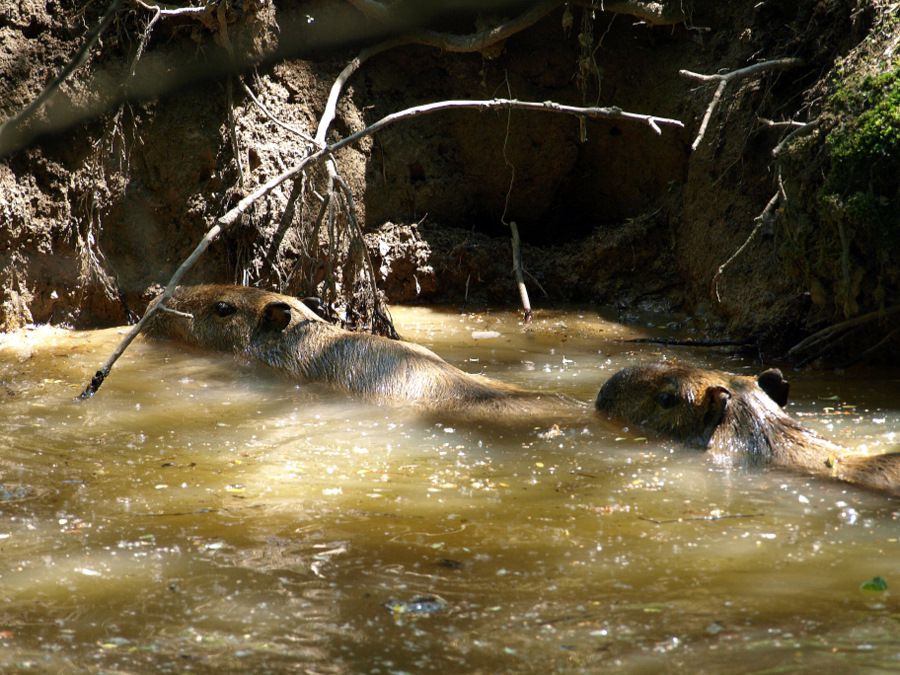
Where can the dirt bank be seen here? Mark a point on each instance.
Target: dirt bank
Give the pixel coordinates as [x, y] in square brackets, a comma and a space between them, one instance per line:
[98, 214]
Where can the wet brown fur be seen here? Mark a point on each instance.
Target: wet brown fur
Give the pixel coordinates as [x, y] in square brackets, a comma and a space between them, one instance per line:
[281, 332]
[736, 418]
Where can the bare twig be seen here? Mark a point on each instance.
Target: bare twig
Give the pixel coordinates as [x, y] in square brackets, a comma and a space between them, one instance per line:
[762, 219]
[382, 322]
[538, 284]
[711, 517]
[517, 268]
[330, 110]
[102, 374]
[482, 40]
[652, 12]
[145, 38]
[678, 342]
[807, 128]
[78, 59]
[784, 123]
[725, 78]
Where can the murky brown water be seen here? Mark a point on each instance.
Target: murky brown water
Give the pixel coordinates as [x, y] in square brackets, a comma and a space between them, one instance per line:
[198, 515]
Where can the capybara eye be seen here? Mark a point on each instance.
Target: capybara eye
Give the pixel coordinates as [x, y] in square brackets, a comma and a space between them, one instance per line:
[224, 309]
[666, 399]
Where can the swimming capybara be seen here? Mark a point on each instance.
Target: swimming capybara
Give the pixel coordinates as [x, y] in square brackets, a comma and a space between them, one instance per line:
[282, 332]
[739, 419]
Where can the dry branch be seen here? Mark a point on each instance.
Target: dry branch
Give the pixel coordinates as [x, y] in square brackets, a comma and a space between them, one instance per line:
[762, 219]
[326, 152]
[725, 78]
[102, 374]
[784, 123]
[517, 268]
[807, 128]
[535, 106]
[710, 518]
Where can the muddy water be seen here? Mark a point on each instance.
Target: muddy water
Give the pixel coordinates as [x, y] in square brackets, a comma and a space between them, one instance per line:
[199, 514]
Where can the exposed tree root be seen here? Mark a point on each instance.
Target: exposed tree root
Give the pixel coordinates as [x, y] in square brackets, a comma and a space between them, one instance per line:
[821, 341]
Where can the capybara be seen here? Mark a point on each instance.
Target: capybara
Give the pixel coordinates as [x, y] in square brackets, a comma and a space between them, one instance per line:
[739, 419]
[282, 332]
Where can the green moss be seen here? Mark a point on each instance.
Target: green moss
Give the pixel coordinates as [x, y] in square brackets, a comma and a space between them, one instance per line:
[859, 200]
[840, 228]
[865, 143]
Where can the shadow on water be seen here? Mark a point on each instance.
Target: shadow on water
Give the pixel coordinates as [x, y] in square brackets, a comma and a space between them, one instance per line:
[199, 514]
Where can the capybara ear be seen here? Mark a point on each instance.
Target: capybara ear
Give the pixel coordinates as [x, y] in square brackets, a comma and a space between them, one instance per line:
[773, 383]
[715, 402]
[275, 317]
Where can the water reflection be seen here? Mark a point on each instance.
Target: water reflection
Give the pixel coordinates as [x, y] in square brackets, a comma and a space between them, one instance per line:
[199, 514]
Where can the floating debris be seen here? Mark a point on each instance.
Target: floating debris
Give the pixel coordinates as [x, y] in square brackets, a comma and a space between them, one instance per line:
[552, 432]
[875, 585]
[450, 564]
[14, 493]
[421, 604]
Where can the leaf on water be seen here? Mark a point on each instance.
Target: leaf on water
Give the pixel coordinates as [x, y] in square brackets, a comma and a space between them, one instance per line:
[875, 584]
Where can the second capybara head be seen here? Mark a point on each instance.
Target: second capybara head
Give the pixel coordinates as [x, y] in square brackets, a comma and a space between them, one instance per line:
[699, 407]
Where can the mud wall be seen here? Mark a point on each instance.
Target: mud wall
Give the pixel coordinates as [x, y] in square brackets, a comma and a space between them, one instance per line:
[97, 216]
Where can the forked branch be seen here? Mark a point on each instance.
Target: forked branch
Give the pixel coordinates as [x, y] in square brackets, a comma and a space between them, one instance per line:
[724, 79]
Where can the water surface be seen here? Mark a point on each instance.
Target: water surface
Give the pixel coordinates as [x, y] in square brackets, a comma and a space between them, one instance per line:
[202, 514]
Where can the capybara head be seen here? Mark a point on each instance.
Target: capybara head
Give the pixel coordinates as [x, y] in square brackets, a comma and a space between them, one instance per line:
[710, 409]
[227, 318]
